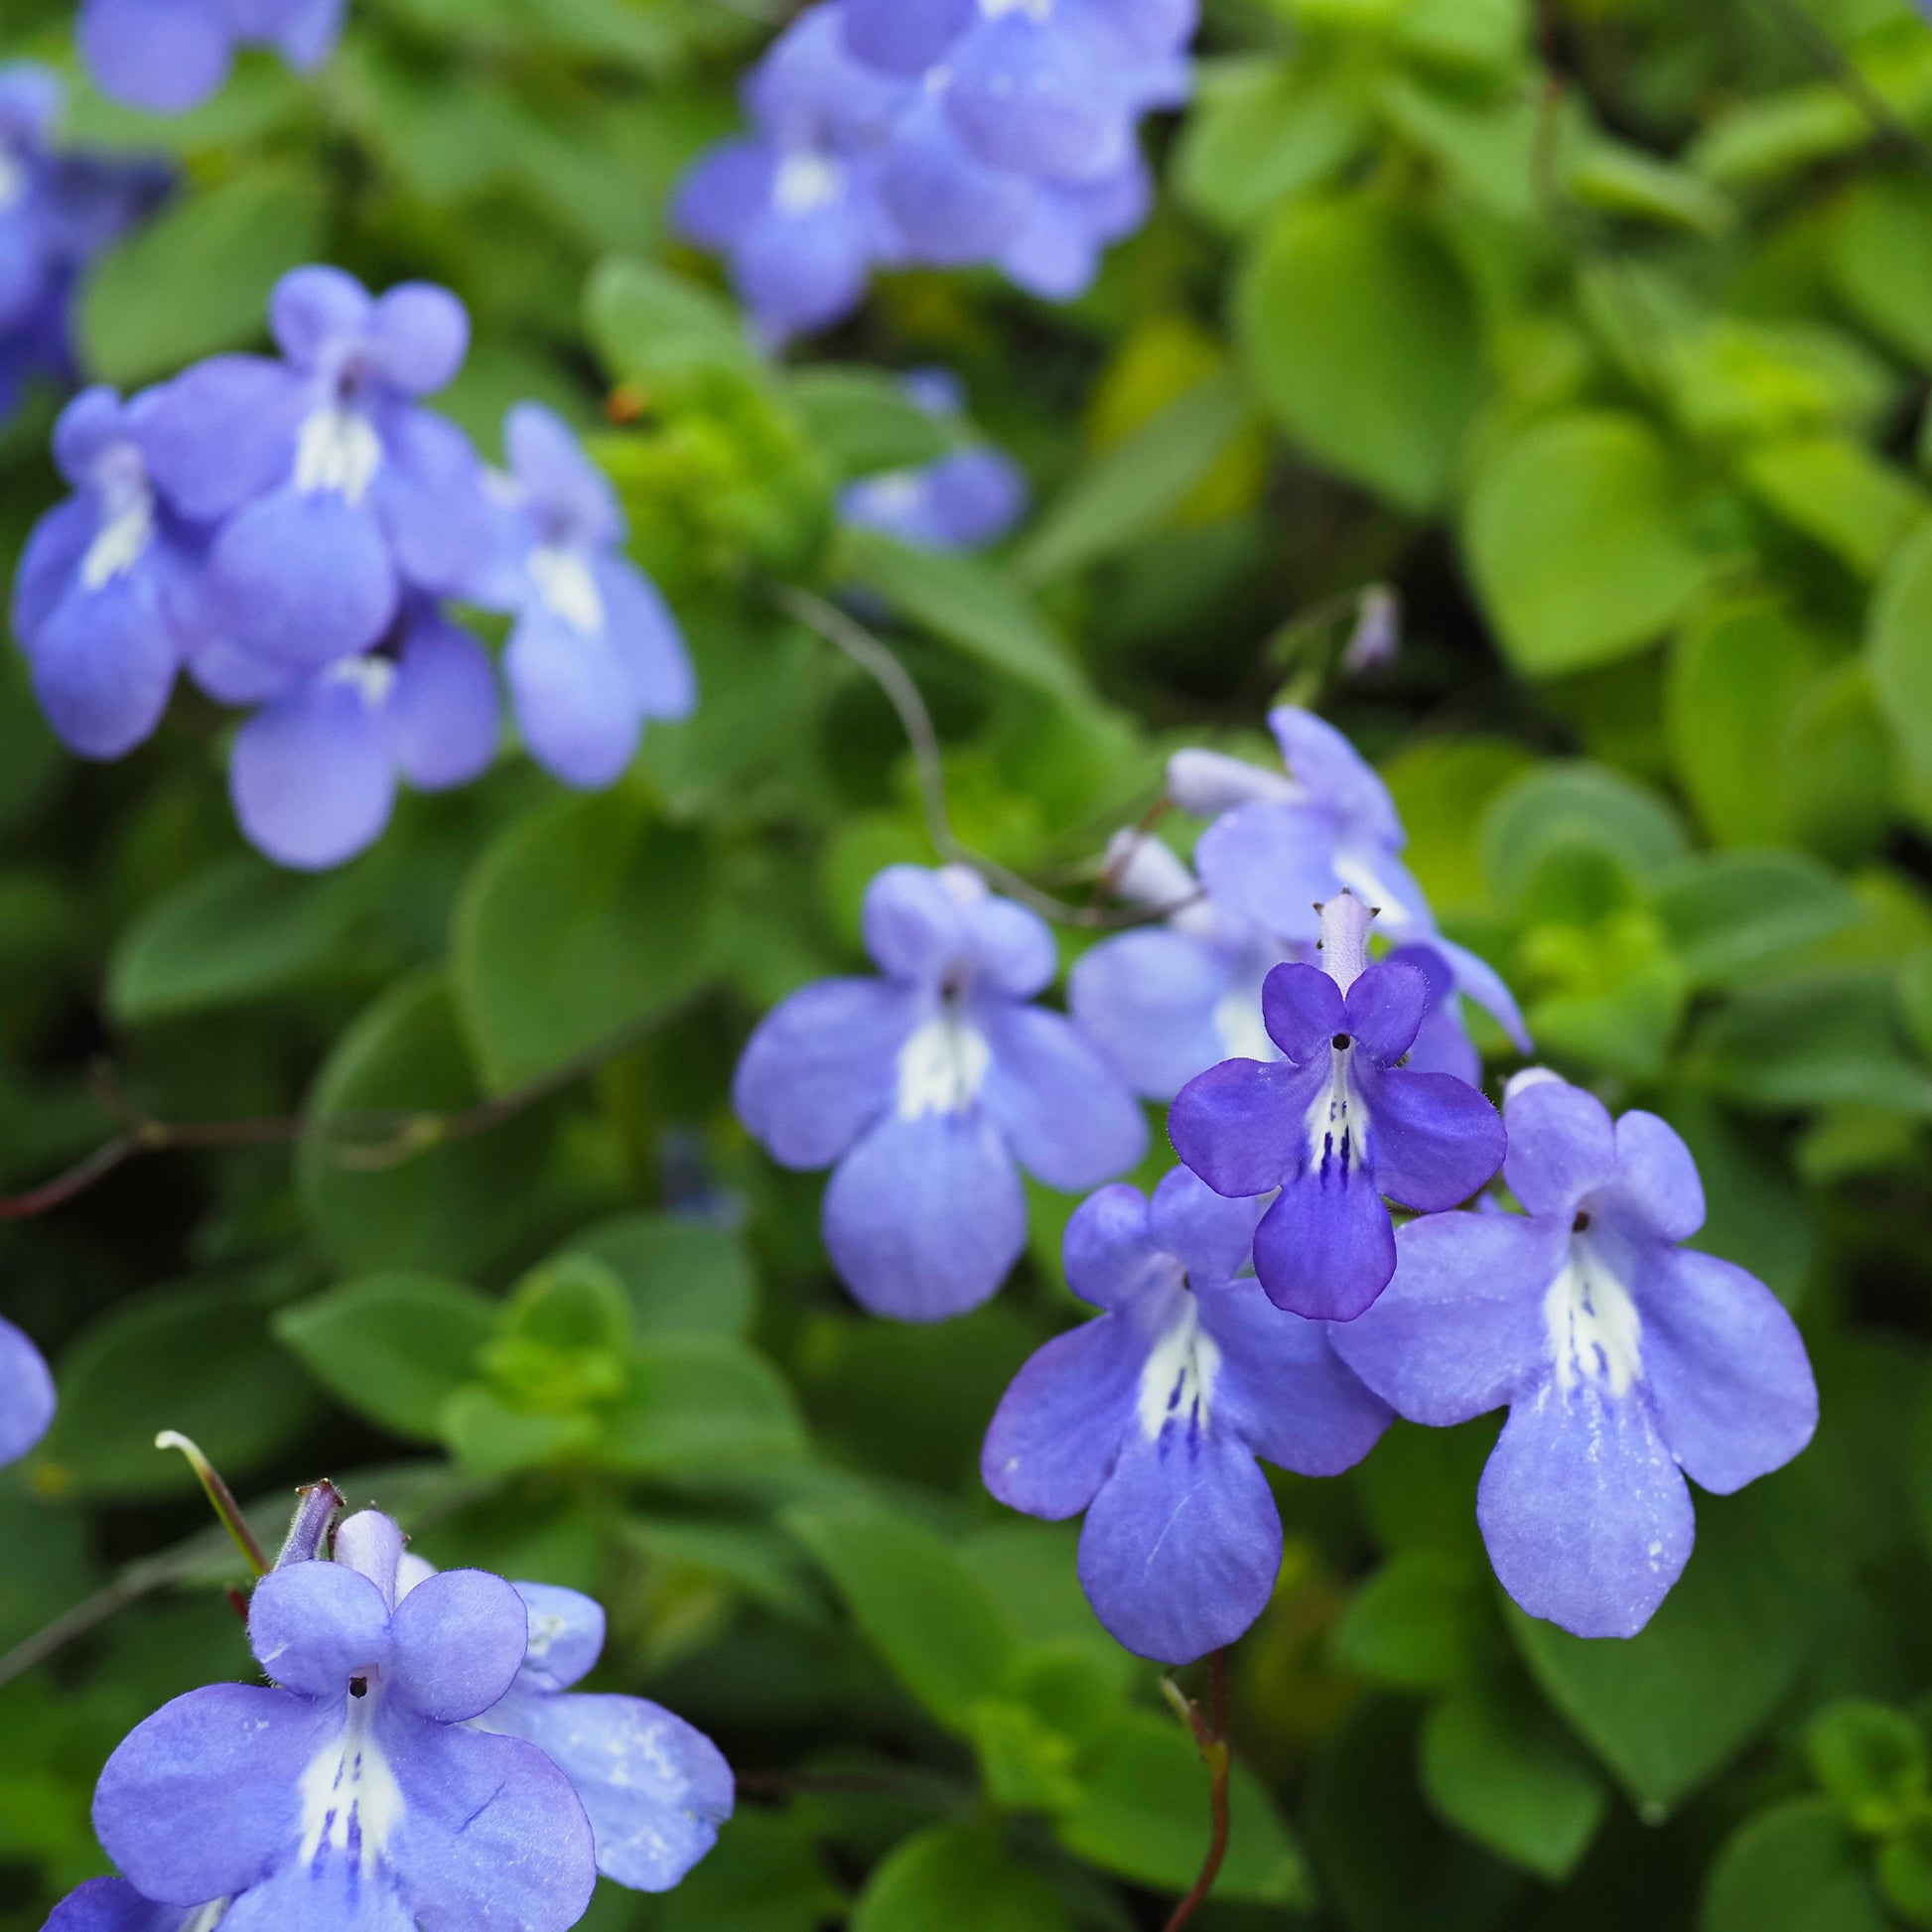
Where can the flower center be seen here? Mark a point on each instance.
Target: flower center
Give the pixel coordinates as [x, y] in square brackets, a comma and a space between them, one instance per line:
[1595, 1331]
[1178, 1383]
[807, 181]
[942, 1068]
[565, 583]
[126, 520]
[350, 1800]
[1338, 1119]
[372, 674]
[339, 451]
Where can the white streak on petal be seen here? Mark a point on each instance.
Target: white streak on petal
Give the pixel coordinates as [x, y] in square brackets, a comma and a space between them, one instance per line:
[347, 1783]
[1595, 1331]
[339, 451]
[1178, 1383]
[565, 583]
[941, 1069]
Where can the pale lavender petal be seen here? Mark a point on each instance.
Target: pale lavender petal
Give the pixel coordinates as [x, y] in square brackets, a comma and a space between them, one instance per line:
[313, 1625]
[54, 552]
[1030, 96]
[222, 433]
[1181, 1544]
[1054, 253]
[1385, 1006]
[1058, 1428]
[725, 194]
[1433, 1140]
[1585, 1514]
[165, 56]
[26, 1394]
[1338, 778]
[951, 207]
[428, 496]
[308, 31]
[1460, 1329]
[1726, 1369]
[1109, 1252]
[1442, 1047]
[329, 1894]
[566, 1636]
[1211, 1234]
[915, 920]
[573, 702]
[441, 717]
[1013, 952]
[904, 36]
[311, 780]
[646, 640]
[1658, 1177]
[978, 495]
[1271, 864]
[457, 1643]
[303, 579]
[112, 1905]
[316, 312]
[1149, 1000]
[823, 1066]
[105, 663]
[1326, 1248]
[1065, 1114]
[549, 462]
[419, 335]
[1241, 1126]
[1303, 1010]
[1561, 1146]
[924, 1218]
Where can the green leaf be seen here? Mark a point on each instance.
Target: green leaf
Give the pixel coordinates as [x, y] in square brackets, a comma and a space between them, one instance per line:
[1570, 804]
[1499, 1766]
[700, 1404]
[198, 278]
[1260, 130]
[1026, 1763]
[1837, 494]
[956, 1879]
[392, 1348]
[650, 325]
[682, 1277]
[197, 1359]
[491, 1437]
[917, 1602]
[581, 923]
[1898, 649]
[1579, 537]
[968, 603]
[1881, 259]
[1625, 180]
[1142, 1813]
[763, 1876]
[1362, 338]
[238, 930]
[1734, 915]
[1667, 1708]
[1135, 486]
[751, 1558]
[449, 1210]
[1870, 1760]
[1906, 1872]
[864, 421]
[1792, 1868]
[1417, 1623]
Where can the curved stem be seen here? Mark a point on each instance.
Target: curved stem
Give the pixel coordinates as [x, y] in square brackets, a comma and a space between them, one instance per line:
[1211, 1738]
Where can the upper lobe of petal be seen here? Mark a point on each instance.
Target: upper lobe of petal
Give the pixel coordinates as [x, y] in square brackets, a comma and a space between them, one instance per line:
[1109, 1254]
[1211, 1234]
[1385, 1006]
[222, 433]
[419, 335]
[313, 1625]
[1561, 1146]
[1303, 1010]
[566, 1635]
[457, 1643]
[1658, 1177]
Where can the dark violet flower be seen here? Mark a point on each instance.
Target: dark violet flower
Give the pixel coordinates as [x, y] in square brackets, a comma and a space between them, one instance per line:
[594, 651]
[26, 1394]
[105, 602]
[1336, 1124]
[313, 772]
[930, 1088]
[1282, 844]
[1627, 1361]
[656, 1787]
[354, 1796]
[334, 492]
[969, 498]
[1151, 1417]
[168, 56]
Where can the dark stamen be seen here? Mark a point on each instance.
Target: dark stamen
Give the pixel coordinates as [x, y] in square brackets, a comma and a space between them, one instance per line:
[1581, 1225]
[358, 1687]
[1341, 1043]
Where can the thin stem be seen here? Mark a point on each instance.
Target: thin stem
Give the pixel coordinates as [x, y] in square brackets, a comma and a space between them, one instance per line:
[1844, 74]
[221, 1497]
[1211, 1740]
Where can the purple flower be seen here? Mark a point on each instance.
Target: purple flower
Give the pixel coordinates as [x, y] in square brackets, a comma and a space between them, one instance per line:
[168, 56]
[929, 1088]
[656, 1787]
[1335, 1124]
[1054, 252]
[1281, 845]
[355, 1796]
[114, 1905]
[966, 500]
[1627, 1361]
[26, 1394]
[1151, 1417]
[105, 602]
[334, 492]
[313, 772]
[594, 651]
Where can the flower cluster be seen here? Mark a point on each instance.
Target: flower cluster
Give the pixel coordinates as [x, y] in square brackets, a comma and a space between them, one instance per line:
[286, 531]
[57, 212]
[969, 498]
[937, 132]
[169, 56]
[419, 1757]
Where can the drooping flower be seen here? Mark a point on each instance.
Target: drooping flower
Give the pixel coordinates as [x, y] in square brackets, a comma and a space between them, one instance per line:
[332, 492]
[1282, 844]
[1627, 1361]
[656, 1787]
[168, 56]
[1151, 1417]
[594, 651]
[969, 498]
[1336, 1124]
[106, 604]
[929, 1088]
[354, 1796]
[26, 1394]
[314, 772]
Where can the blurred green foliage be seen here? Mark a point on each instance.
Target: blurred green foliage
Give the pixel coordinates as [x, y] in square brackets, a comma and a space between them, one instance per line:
[1602, 331]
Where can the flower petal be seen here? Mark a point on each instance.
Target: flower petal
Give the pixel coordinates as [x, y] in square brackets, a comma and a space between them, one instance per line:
[904, 36]
[725, 192]
[1241, 1125]
[313, 1625]
[105, 663]
[1148, 999]
[371, 1544]
[1059, 1426]
[573, 702]
[1013, 953]
[952, 207]
[111, 1905]
[441, 717]
[1181, 1544]
[1212, 1235]
[57, 543]
[202, 1799]
[1585, 1514]
[419, 335]
[1488, 988]
[914, 919]
[1338, 778]
[26, 1394]
[1561, 1145]
[222, 433]
[311, 778]
[1726, 1369]
[1433, 1140]
[821, 1068]
[646, 640]
[1030, 96]
[1460, 1329]
[1271, 864]
[428, 494]
[457, 1642]
[317, 310]
[163, 56]
[1303, 1010]
[1326, 1248]
[1658, 1175]
[549, 462]
[1385, 1006]
[329, 1894]
[1067, 1114]
[302, 580]
[1108, 1251]
[566, 1636]
[925, 1217]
